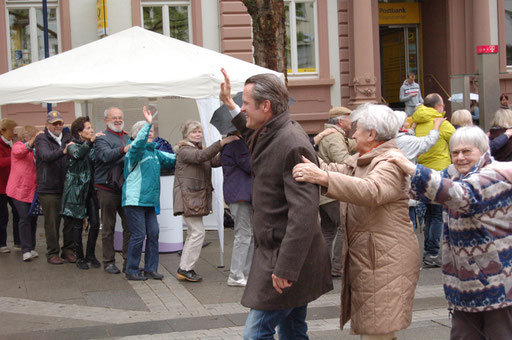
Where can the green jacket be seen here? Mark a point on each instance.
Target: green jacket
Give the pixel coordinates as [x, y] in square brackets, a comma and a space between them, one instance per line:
[438, 157]
[79, 175]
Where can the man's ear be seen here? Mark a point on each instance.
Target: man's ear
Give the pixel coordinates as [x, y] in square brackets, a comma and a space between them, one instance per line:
[267, 107]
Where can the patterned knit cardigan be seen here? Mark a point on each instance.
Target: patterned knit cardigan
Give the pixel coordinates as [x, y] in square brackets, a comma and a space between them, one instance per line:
[477, 231]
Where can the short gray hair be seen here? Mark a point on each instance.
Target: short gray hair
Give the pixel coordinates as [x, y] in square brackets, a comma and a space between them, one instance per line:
[189, 126]
[502, 118]
[105, 114]
[379, 118]
[269, 87]
[136, 128]
[462, 117]
[470, 135]
[401, 116]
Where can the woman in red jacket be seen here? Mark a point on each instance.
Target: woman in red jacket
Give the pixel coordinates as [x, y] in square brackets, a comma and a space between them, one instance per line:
[21, 188]
[6, 133]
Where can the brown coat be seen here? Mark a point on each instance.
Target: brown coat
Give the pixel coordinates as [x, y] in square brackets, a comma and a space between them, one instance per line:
[194, 171]
[287, 236]
[381, 252]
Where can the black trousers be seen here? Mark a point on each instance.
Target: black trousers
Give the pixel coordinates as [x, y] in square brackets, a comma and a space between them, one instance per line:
[4, 220]
[27, 226]
[94, 228]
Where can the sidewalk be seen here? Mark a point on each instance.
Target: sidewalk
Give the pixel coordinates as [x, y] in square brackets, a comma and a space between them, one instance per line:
[42, 301]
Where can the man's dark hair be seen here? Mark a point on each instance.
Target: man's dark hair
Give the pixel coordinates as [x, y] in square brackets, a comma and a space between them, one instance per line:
[503, 95]
[78, 125]
[269, 87]
[432, 100]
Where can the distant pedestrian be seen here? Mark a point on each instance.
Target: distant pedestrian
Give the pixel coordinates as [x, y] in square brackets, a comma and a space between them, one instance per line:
[141, 195]
[410, 94]
[109, 151]
[79, 201]
[6, 135]
[21, 188]
[504, 102]
[51, 171]
[236, 168]
[192, 194]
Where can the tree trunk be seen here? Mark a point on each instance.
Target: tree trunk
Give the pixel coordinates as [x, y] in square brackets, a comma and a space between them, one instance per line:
[269, 33]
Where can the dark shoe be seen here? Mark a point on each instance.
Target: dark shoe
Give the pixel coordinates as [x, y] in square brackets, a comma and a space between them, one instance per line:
[136, 277]
[93, 261]
[82, 264]
[153, 275]
[430, 261]
[111, 268]
[55, 260]
[188, 275]
[335, 274]
[71, 258]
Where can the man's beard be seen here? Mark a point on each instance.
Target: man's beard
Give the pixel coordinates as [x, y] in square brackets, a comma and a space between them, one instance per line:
[114, 128]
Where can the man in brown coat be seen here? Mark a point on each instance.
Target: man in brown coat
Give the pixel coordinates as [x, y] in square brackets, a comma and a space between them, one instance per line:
[291, 265]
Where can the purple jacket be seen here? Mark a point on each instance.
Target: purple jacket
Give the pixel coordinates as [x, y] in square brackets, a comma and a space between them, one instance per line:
[236, 166]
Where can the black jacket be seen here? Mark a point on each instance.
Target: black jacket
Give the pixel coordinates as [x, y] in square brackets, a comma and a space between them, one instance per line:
[50, 163]
[108, 151]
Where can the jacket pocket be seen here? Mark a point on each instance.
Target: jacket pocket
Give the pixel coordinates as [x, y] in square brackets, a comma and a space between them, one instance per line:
[44, 175]
[372, 252]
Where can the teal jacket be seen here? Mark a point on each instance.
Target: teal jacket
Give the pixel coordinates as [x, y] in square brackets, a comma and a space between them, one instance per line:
[142, 171]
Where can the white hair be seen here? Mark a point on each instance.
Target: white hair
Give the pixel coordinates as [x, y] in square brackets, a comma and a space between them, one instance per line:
[105, 113]
[470, 135]
[136, 128]
[401, 115]
[379, 118]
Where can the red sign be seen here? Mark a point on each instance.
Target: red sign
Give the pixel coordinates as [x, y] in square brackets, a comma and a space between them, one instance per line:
[487, 49]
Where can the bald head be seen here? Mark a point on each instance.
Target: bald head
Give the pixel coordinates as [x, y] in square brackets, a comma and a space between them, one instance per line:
[434, 101]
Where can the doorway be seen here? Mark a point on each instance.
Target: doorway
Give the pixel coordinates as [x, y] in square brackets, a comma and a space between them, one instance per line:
[399, 50]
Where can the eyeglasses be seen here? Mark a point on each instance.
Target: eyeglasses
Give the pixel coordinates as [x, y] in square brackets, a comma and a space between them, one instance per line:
[465, 152]
[58, 124]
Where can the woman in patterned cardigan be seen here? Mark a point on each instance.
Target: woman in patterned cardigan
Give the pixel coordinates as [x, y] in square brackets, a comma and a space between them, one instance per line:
[476, 194]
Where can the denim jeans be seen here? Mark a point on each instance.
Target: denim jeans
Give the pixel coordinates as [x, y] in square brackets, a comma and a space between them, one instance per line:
[412, 216]
[27, 226]
[290, 323]
[243, 244]
[142, 222]
[433, 229]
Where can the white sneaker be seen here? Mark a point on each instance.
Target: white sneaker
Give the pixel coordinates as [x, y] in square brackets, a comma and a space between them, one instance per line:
[27, 256]
[4, 250]
[34, 253]
[237, 283]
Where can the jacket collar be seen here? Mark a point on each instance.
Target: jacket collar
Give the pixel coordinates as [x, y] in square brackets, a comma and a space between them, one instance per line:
[269, 129]
[186, 142]
[356, 160]
[120, 134]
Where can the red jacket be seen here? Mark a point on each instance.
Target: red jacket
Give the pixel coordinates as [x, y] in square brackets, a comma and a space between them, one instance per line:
[22, 181]
[5, 164]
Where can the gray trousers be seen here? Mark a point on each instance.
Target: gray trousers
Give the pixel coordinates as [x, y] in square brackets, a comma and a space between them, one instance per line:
[243, 245]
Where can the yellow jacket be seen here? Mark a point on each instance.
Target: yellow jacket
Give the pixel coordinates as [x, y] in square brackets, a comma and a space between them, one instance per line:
[438, 157]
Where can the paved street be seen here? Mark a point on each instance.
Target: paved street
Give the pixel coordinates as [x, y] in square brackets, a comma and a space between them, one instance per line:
[42, 301]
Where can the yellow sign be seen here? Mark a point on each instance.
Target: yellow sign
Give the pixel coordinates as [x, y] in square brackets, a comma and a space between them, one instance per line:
[399, 13]
[101, 17]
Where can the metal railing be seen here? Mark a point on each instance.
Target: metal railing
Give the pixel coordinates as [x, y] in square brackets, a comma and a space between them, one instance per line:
[433, 77]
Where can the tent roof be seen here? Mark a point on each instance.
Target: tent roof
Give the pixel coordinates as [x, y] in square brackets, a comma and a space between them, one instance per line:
[132, 63]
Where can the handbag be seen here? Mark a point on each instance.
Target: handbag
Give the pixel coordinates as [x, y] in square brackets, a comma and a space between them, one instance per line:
[35, 207]
[195, 202]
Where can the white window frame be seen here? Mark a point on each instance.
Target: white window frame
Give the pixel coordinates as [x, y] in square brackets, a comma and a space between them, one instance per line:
[31, 5]
[165, 14]
[293, 39]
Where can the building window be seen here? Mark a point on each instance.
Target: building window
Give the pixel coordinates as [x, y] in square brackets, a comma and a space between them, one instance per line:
[26, 32]
[508, 27]
[301, 37]
[170, 18]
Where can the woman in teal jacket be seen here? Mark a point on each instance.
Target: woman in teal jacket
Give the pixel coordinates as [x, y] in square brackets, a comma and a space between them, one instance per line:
[141, 194]
[79, 199]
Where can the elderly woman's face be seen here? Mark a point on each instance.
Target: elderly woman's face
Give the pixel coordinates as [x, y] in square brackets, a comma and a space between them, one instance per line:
[8, 133]
[363, 139]
[464, 157]
[196, 135]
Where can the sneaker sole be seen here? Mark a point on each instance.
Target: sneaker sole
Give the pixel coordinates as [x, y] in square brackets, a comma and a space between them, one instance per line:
[184, 278]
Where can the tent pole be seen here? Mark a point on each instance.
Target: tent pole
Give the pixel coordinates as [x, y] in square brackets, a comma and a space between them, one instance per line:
[46, 43]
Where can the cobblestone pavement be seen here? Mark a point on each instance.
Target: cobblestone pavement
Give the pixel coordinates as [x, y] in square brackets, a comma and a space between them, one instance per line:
[42, 301]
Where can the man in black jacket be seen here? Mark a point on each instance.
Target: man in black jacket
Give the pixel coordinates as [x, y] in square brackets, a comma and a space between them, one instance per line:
[109, 151]
[51, 148]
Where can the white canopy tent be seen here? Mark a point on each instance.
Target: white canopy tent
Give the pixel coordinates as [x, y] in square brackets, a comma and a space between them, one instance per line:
[134, 63]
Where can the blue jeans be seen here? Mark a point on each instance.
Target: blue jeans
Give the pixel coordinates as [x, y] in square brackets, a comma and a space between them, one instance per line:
[291, 324]
[412, 216]
[433, 229]
[142, 222]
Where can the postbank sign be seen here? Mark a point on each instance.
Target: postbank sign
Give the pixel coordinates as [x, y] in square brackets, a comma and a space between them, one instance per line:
[101, 17]
[399, 13]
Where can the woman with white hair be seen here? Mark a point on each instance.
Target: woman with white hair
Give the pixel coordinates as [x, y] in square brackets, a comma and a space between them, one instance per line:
[381, 252]
[141, 194]
[193, 191]
[461, 118]
[476, 195]
[500, 133]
